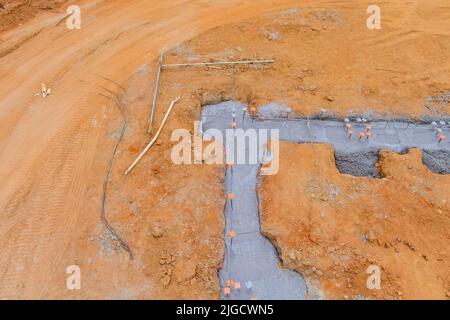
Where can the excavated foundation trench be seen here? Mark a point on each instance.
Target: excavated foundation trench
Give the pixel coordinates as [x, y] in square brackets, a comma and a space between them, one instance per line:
[363, 164]
[250, 258]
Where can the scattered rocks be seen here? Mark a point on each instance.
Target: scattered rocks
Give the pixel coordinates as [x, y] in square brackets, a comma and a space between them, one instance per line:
[292, 256]
[306, 262]
[166, 258]
[313, 238]
[358, 163]
[157, 231]
[211, 98]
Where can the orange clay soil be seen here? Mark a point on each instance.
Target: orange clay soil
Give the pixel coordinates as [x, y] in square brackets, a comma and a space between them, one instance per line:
[330, 227]
[17, 12]
[327, 59]
[55, 151]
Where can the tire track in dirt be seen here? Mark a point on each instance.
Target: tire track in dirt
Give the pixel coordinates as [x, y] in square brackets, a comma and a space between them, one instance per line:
[51, 208]
[44, 213]
[77, 188]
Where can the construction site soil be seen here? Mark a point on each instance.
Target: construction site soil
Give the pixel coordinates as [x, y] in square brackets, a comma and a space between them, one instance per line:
[55, 151]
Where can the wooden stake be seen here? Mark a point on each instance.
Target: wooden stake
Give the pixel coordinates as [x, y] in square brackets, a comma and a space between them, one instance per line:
[154, 138]
[215, 63]
[155, 94]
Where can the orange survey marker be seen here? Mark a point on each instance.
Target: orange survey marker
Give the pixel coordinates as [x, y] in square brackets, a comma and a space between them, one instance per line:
[441, 138]
[362, 135]
[231, 196]
[232, 234]
[226, 291]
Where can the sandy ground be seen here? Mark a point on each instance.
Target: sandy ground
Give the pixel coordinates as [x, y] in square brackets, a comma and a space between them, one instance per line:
[331, 227]
[55, 151]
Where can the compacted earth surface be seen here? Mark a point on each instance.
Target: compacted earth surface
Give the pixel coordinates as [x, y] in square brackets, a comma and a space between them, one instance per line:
[55, 151]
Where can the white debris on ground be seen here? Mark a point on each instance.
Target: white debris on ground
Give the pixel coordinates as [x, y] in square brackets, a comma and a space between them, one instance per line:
[44, 91]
